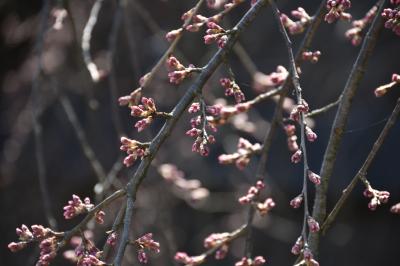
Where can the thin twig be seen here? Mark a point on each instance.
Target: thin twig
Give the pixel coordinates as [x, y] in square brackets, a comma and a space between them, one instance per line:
[298, 90]
[172, 46]
[68, 234]
[115, 227]
[364, 169]
[87, 149]
[324, 109]
[177, 112]
[37, 128]
[339, 124]
[112, 81]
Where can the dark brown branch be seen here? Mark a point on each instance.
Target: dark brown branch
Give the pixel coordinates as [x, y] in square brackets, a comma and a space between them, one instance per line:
[177, 112]
[363, 170]
[339, 124]
[37, 128]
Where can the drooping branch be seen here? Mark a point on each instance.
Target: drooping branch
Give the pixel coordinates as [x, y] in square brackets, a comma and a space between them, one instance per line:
[177, 112]
[363, 170]
[339, 124]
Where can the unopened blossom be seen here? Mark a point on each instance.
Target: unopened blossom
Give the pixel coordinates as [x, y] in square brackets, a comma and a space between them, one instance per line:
[257, 261]
[76, 206]
[264, 207]
[309, 258]
[296, 202]
[178, 72]
[88, 254]
[48, 248]
[296, 27]
[395, 208]
[132, 99]
[112, 239]
[215, 33]
[336, 10]
[99, 217]
[185, 259]
[24, 233]
[173, 34]
[215, 239]
[290, 131]
[144, 243]
[221, 252]
[377, 197]
[263, 82]
[310, 56]
[382, 90]
[355, 33]
[300, 108]
[252, 193]
[312, 224]
[16, 246]
[298, 246]
[59, 15]
[313, 177]
[296, 157]
[310, 134]
[392, 17]
[134, 150]
[232, 89]
[242, 156]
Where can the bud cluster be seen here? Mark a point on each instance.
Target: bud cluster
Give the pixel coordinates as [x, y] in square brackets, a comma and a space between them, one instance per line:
[336, 10]
[257, 261]
[297, 201]
[354, 34]
[314, 178]
[178, 71]
[377, 197]
[241, 158]
[147, 110]
[395, 208]
[290, 131]
[220, 240]
[45, 236]
[263, 83]
[134, 150]
[187, 189]
[310, 56]
[252, 198]
[392, 17]
[216, 33]
[232, 89]
[296, 27]
[313, 225]
[202, 138]
[146, 242]
[88, 254]
[76, 206]
[300, 247]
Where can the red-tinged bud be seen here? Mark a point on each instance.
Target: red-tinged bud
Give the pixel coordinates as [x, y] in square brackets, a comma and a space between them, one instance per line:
[316, 179]
[296, 157]
[296, 202]
[15, 247]
[312, 224]
[171, 36]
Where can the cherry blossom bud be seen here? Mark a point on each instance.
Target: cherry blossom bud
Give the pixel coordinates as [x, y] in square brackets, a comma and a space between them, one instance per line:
[316, 179]
[14, 247]
[312, 224]
[311, 136]
[395, 208]
[297, 247]
[171, 36]
[296, 157]
[296, 202]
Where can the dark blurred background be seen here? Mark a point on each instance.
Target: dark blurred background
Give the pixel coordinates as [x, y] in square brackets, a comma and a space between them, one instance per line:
[180, 223]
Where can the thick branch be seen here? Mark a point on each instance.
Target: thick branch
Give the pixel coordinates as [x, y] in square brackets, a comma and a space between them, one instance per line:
[177, 112]
[350, 89]
[364, 169]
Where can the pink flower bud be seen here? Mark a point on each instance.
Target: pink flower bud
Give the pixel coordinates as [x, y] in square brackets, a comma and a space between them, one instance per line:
[296, 202]
[311, 136]
[312, 224]
[296, 157]
[316, 179]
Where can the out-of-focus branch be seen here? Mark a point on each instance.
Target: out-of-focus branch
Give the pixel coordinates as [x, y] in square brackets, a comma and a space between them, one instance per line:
[339, 124]
[363, 170]
[177, 112]
[86, 38]
[37, 128]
